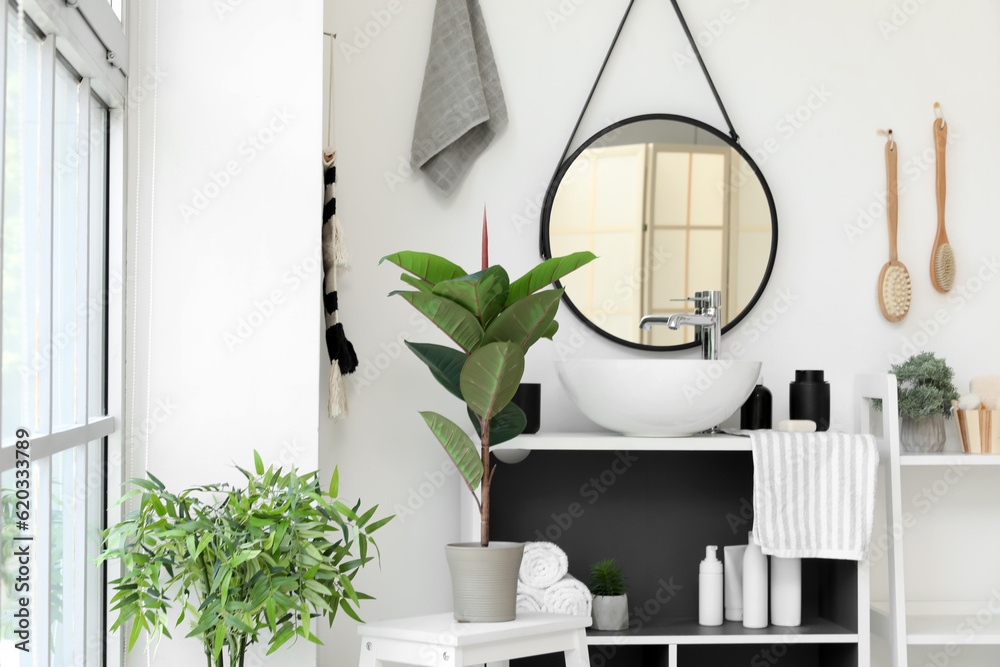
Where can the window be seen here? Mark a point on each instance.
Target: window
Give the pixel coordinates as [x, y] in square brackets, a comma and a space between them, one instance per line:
[60, 242]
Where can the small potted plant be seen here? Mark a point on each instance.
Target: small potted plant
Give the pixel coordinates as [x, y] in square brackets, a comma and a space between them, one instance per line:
[607, 583]
[244, 564]
[925, 392]
[494, 322]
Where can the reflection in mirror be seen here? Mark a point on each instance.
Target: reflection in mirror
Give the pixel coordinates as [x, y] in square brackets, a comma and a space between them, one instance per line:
[670, 208]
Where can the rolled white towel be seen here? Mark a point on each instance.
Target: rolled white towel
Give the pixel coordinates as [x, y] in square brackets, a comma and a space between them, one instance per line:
[543, 564]
[530, 599]
[568, 596]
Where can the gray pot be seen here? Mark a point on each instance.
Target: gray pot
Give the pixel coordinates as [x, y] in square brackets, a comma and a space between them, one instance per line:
[923, 435]
[610, 612]
[484, 581]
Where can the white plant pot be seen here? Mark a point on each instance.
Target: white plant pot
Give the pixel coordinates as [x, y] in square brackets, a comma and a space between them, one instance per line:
[484, 581]
[610, 612]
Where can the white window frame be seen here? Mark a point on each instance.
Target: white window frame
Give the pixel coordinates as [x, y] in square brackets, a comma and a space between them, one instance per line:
[89, 35]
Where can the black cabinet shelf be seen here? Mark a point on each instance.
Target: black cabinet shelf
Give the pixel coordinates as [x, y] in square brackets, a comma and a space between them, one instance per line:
[687, 631]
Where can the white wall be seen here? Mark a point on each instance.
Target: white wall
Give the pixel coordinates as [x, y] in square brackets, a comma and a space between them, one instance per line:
[208, 390]
[770, 61]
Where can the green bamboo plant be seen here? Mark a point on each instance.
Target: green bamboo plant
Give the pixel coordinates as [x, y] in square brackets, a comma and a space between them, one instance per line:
[494, 322]
[240, 562]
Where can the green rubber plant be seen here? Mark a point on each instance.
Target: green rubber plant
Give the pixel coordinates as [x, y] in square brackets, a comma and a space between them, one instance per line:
[244, 564]
[494, 322]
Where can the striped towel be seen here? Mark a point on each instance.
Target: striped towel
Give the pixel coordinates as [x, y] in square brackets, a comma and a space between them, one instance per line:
[814, 494]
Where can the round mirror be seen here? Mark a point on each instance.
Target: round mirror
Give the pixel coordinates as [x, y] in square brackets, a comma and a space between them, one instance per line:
[670, 206]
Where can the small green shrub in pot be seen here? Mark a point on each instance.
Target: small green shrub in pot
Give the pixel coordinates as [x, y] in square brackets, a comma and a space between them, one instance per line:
[925, 391]
[243, 564]
[610, 607]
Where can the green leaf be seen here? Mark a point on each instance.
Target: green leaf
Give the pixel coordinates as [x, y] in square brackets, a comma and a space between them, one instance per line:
[157, 504]
[413, 281]
[364, 518]
[429, 268]
[445, 364]
[158, 483]
[243, 556]
[234, 622]
[372, 527]
[286, 633]
[524, 322]
[483, 293]
[334, 483]
[547, 273]
[459, 446]
[491, 376]
[143, 484]
[220, 635]
[551, 331]
[345, 605]
[279, 532]
[202, 544]
[137, 624]
[258, 464]
[349, 588]
[318, 587]
[269, 611]
[459, 324]
[505, 425]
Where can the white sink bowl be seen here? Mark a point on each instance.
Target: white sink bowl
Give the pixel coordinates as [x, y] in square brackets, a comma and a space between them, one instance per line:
[658, 397]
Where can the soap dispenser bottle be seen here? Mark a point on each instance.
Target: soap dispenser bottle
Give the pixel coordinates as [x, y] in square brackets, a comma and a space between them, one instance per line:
[754, 586]
[756, 413]
[710, 588]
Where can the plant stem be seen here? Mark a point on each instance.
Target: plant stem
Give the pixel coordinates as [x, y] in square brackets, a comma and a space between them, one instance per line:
[484, 508]
[242, 652]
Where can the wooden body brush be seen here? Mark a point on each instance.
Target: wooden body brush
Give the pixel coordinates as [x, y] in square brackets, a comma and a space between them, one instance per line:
[942, 256]
[894, 281]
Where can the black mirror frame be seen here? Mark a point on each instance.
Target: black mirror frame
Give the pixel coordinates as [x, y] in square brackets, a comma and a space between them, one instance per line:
[550, 194]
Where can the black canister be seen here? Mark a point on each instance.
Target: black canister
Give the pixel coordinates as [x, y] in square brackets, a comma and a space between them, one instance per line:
[528, 397]
[809, 398]
[756, 413]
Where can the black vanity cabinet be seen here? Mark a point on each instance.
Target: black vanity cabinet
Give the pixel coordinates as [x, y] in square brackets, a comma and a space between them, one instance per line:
[653, 504]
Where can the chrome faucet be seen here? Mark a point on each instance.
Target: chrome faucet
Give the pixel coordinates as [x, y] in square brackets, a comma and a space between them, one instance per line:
[707, 318]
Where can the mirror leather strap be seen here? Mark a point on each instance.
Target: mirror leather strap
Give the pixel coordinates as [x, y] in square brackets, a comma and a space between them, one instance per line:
[600, 73]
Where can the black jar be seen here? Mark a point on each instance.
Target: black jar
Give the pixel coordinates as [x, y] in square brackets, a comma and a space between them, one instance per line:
[528, 397]
[809, 398]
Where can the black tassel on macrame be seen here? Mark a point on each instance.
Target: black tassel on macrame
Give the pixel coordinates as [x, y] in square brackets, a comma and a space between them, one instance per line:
[343, 359]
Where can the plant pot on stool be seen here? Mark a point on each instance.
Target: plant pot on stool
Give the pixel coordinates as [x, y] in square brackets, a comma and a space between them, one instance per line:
[484, 580]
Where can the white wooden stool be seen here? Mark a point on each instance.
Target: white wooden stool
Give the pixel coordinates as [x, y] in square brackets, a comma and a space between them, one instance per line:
[440, 641]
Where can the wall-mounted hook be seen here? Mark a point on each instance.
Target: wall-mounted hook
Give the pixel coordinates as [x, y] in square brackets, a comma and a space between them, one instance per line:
[938, 113]
[888, 135]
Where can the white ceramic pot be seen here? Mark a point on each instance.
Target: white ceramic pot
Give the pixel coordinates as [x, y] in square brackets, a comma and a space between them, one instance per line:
[484, 580]
[610, 612]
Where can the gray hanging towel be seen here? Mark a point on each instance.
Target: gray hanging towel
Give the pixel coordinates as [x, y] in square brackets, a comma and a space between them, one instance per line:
[461, 104]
